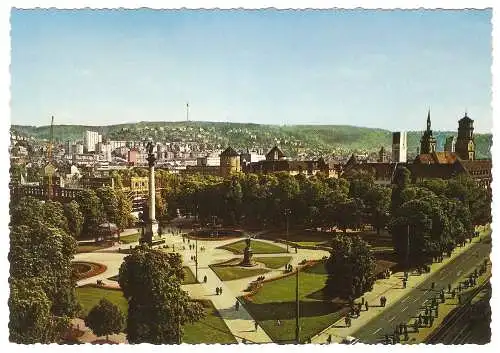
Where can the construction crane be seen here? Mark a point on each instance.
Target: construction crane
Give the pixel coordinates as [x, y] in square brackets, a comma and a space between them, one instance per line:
[49, 167]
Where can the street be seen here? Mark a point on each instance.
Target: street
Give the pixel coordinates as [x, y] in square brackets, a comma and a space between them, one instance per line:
[408, 306]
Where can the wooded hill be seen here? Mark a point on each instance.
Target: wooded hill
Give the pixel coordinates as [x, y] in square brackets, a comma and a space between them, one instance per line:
[293, 139]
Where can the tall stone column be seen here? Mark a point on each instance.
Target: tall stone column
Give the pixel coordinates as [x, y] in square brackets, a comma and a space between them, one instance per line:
[152, 191]
[151, 224]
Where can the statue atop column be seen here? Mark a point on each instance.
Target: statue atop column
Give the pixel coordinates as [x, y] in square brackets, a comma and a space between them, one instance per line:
[247, 255]
[151, 223]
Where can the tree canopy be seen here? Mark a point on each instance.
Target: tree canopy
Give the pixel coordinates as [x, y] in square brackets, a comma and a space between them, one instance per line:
[350, 267]
[158, 307]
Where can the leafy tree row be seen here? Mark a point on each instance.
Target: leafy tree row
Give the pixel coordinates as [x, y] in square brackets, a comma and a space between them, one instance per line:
[430, 218]
[251, 199]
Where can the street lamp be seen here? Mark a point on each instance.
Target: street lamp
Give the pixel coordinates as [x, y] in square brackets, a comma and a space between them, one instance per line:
[297, 312]
[287, 212]
[196, 259]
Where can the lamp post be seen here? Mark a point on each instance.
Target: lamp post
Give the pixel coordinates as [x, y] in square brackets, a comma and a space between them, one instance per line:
[297, 312]
[196, 258]
[287, 212]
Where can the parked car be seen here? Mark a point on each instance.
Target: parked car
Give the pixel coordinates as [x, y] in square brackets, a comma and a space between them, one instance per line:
[350, 340]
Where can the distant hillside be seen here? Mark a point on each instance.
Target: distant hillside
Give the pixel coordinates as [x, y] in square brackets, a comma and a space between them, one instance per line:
[311, 139]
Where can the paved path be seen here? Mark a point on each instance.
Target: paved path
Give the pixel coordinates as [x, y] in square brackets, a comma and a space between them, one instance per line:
[240, 322]
[400, 302]
[409, 306]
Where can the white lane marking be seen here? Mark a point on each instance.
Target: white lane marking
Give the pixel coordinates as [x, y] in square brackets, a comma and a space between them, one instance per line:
[405, 299]
[416, 300]
[392, 318]
[377, 330]
[404, 308]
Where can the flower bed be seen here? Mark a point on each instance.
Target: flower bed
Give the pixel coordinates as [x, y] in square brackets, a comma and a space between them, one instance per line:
[83, 269]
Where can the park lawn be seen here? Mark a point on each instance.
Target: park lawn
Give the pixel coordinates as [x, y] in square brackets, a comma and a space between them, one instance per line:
[131, 238]
[273, 262]
[258, 247]
[209, 330]
[90, 297]
[189, 277]
[231, 272]
[89, 248]
[276, 300]
[311, 243]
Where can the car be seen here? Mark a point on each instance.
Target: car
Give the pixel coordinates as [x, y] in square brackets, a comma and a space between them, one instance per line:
[350, 340]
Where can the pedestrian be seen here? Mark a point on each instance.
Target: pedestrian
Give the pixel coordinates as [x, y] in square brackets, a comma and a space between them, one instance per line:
[366, 305]
[237, 305]
[362, 300]
[295, 249]
[278, 322]
[220, 290]
[217, 291]
[256, 325]
[205, 279]
[404, 283]
[433, 284]
[329, 339]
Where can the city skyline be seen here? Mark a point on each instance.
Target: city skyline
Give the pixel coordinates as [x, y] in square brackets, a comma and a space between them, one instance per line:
[272, 67]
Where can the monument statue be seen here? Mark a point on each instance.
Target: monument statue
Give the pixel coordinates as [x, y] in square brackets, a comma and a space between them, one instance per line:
[151, 223]
[247, 255]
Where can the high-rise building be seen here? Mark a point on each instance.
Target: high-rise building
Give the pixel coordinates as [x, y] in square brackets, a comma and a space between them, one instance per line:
[78, 148]
[449, 145]
[67, 147]
[90, 140]
[399, 147]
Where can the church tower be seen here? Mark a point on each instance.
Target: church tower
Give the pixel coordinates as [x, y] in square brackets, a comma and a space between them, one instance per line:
[465, 146]
[428, 142]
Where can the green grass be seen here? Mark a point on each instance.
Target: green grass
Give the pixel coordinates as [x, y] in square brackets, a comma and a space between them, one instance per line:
[276, 300]
[131, 238]
[211, 329]
[257, 247]
[89, 248]
[229, 273]
[189, 277]
[90, 297]
[273, 262]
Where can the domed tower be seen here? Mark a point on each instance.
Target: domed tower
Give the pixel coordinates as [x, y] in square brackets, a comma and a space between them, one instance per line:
[229, 162]
[465, 146]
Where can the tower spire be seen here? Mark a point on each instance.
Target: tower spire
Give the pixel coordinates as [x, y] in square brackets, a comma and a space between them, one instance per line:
[429, 120]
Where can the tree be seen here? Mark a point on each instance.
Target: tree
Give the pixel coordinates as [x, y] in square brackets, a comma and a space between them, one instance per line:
[350, 267]
[41, 277]
[105, 318]
[30, 318]
[158, 307]
[91, 208]
[74, 217]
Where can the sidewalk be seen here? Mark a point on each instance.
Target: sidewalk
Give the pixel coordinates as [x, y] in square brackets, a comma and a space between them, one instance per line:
[392, 289]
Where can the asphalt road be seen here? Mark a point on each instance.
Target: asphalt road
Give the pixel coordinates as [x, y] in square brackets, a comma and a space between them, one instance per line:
[409, 306]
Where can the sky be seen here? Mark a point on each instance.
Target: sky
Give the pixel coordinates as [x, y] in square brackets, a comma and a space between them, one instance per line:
[381, 69]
